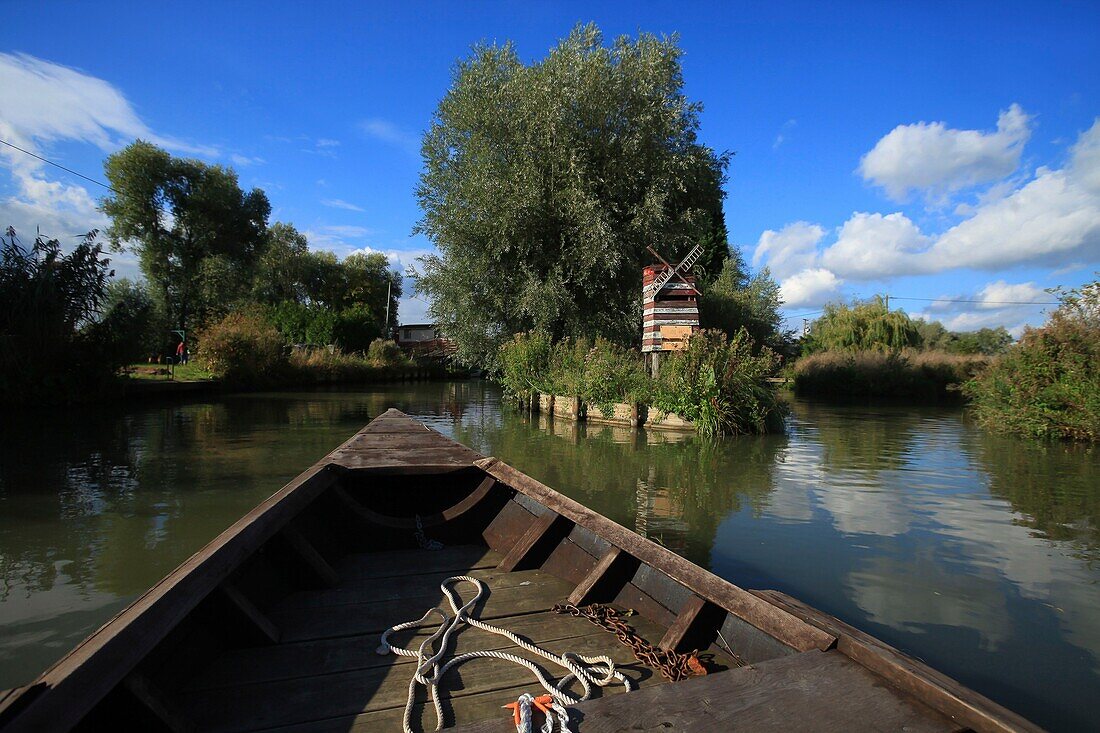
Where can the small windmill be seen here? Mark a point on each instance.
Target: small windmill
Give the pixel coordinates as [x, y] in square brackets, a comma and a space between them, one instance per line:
[670, 310]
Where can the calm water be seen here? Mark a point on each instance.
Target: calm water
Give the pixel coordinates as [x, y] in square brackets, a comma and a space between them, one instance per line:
[976, 553]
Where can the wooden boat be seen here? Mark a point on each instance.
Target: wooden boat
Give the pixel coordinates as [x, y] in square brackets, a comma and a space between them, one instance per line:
[274, 625]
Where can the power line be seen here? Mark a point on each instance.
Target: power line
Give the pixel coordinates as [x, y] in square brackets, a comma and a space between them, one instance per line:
[981, 302]
[58, 165]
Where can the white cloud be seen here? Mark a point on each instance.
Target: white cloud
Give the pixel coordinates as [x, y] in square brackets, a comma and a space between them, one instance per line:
[334, 237]
[999, 293]
[324, 142]
[1054, 218]
[782, 136]
[809, 287]
[412, 310]
[391, 134]
[47, 101]
[789, 250]
[1051, 219]
[871, 246]
[244, 161]
[997, 303]
[42, 103]
[934, 159]
[341, 204]
[399, 259]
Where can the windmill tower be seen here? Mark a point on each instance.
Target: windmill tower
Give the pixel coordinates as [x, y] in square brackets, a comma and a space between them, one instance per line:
[670, 307]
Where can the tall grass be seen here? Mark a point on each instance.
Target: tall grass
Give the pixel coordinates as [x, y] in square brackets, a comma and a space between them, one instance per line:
[325, 366]
[874, 374]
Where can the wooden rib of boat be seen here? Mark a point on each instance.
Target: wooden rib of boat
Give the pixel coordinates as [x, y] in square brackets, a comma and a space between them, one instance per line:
[275, 623]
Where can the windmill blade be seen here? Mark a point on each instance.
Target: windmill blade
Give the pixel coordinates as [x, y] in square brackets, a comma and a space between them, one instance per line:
[686, 264]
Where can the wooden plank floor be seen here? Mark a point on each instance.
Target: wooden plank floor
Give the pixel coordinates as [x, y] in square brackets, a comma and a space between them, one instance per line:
[326, 675]
[811, 691]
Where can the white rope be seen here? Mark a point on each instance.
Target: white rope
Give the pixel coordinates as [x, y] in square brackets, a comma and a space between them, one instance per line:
[557, 714]
[599, 671]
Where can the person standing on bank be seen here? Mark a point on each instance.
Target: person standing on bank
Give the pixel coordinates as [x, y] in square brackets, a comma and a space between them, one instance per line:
[181, 353]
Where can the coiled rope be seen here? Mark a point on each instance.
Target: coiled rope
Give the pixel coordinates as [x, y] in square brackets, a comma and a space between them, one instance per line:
[589, 671]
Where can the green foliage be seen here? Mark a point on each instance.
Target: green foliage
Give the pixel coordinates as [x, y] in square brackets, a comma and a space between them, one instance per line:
[734, 301]
[385, 352]
[303, 324]
[543, 184]
[191, 225]
[612, 374]
[49, 301]
[286, 269]
[859, 327]
[365, 278]
[720, 385]
[525, 364]
[1048, 385]
[989, 341]
[243, 348]
[876, 374]
[352, 329]
[356, 328]
[131, 328]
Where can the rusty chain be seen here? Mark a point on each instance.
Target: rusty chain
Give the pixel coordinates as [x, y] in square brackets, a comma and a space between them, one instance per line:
[672, 665]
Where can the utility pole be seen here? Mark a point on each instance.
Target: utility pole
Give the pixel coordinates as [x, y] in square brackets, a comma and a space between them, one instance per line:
[888, 302]
[389, 285]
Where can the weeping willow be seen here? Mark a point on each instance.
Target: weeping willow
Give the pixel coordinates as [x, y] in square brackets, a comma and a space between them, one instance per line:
[861, 326]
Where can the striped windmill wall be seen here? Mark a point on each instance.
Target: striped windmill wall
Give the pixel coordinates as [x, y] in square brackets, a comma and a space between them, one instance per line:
[669, 316]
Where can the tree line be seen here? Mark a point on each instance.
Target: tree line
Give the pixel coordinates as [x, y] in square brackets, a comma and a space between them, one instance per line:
[206, 249]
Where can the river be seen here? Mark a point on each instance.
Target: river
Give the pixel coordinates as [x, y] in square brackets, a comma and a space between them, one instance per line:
[974, 552]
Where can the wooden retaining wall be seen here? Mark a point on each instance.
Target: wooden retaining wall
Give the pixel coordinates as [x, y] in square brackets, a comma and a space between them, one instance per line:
[623, 413]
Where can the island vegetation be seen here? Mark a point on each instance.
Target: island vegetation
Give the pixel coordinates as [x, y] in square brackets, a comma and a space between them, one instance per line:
[543, 186]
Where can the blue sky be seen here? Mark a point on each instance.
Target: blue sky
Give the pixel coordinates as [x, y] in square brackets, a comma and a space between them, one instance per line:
[926, 150]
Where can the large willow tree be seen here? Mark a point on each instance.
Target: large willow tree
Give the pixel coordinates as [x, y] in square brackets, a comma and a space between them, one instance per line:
[861, 326]
[543, 184]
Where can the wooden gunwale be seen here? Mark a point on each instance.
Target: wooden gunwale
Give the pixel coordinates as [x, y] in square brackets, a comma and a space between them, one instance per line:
[767, 617]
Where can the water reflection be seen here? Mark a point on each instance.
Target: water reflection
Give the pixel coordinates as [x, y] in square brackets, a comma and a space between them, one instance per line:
[974, 552]
[670, 486]
[971, 551]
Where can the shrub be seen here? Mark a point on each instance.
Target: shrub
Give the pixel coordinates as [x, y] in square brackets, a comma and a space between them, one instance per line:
[612, 374]
[243, 348]
[525, 364]
[1048, 385]
[720, 385]
[871, 374]
[386, 353]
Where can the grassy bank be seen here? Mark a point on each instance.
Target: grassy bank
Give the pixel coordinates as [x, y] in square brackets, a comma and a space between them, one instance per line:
[244, 351]
[718, 384]
[873, 374]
